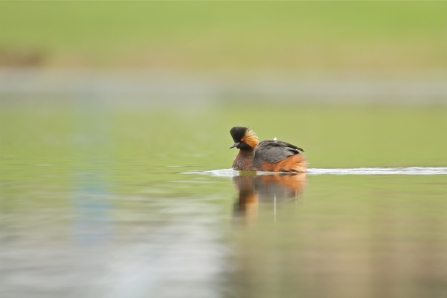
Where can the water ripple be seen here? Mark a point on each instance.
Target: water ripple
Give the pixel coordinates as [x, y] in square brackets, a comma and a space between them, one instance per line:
[381, 171]
[343, 171]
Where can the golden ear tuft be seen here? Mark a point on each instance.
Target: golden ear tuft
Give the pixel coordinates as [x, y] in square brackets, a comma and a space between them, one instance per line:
[250, 138]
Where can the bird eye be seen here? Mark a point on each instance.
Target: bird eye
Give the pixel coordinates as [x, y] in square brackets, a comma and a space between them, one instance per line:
[242, 139]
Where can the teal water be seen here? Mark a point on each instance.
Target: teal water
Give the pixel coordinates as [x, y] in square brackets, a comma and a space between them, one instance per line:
[103, 200]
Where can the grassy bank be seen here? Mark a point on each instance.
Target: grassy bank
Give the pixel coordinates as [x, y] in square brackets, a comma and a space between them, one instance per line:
[195, 35]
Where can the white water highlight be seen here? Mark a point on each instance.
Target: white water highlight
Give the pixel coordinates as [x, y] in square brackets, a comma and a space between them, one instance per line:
[342, 171]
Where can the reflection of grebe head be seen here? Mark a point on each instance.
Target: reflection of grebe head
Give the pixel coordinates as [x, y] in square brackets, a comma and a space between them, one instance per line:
[244, 138]
[247, 201]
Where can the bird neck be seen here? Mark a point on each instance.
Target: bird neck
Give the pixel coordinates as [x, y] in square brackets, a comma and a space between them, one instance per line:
[244, 160]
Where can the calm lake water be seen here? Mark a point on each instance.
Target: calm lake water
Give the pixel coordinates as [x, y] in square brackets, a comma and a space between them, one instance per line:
[101, 199]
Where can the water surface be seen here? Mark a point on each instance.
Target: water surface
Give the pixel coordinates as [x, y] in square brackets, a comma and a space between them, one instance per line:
[112, 200]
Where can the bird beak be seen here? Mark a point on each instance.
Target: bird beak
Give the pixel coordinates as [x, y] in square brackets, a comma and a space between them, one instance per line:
[234, 145]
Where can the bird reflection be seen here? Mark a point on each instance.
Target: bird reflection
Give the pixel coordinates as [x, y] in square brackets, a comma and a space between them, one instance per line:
[273, 188]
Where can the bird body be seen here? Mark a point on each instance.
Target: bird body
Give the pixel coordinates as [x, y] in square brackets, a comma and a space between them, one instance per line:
[269, 155]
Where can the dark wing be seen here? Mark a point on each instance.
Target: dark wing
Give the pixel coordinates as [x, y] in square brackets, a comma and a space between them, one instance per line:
[274, 151]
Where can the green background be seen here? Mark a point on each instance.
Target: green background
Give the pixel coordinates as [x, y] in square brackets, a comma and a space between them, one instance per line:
[191, 35]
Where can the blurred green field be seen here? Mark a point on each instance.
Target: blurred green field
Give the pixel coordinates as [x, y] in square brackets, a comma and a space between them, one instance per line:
[191, 35]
